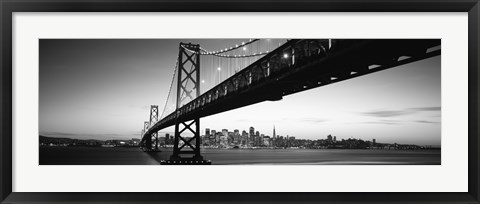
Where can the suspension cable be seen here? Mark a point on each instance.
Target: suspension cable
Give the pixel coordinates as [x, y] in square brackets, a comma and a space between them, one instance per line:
[170, 90]
[230, 56]
[206, 52]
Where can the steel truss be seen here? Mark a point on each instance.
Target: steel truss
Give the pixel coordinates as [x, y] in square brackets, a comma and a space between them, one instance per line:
[147, 143]
[153, 119]
[188, 88]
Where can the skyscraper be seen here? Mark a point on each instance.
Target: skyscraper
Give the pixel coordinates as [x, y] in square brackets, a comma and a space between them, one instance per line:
[252, 131]
[167, 139]
[274, 132]
[252, 134]
[244, 137]
[214, 137]
[273, 137]
[236, 136]
[207, 132]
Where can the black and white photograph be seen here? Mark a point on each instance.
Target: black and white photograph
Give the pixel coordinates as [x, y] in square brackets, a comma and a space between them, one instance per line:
[223, 101]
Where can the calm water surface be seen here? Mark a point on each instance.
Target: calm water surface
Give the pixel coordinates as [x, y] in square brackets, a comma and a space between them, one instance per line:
[134, 156]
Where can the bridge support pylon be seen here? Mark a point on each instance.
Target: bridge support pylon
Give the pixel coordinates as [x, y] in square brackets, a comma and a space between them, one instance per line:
[187, 132]
[153, 119]
[147, 143]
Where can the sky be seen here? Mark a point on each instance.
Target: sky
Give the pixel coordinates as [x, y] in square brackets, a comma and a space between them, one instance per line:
[103, 89]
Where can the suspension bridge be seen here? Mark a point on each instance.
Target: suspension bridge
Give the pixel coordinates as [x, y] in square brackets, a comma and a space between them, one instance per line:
[255, 71]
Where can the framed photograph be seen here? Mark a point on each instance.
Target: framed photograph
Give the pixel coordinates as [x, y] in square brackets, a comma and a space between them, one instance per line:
[251, 102]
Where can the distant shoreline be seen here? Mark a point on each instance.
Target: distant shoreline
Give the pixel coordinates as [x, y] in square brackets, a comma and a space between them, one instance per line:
[135, 156]
[239, 149]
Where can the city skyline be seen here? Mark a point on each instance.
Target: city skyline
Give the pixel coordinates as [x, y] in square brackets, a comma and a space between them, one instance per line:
[202, 134]
[102, 84]
[320, 137]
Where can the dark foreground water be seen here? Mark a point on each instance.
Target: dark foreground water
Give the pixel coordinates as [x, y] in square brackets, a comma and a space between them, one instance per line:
[134, 156]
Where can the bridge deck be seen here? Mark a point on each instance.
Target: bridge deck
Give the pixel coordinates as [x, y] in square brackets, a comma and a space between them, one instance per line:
[300, 65]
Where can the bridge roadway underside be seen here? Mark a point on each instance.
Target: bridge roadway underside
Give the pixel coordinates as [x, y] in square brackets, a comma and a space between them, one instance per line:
[354, 58]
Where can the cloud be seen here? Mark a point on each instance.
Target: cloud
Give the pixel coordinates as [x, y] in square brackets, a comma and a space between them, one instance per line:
[394, 113]
[389, 113]
[88, 136]
[435, 108]
[57, 133]
[384, 122]
[425, 121]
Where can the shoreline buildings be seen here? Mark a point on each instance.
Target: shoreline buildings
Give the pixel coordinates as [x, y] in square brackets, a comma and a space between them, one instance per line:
[251, 139]
[254, 139]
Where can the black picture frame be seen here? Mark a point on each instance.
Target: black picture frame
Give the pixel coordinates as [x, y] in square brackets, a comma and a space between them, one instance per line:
[7, 8]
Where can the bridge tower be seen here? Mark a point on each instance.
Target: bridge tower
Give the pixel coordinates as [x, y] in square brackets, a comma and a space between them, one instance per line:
[148, 143]
[142, 132]
[187, 133]
[153, 120]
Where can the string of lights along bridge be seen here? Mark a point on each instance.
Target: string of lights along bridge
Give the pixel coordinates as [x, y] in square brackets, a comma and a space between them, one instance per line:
[206, 82]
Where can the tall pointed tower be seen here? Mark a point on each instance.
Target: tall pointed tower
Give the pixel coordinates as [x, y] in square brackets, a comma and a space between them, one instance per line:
[273, 136]
[274, 132]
